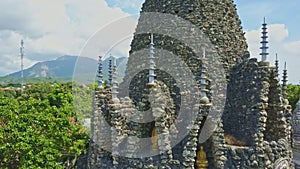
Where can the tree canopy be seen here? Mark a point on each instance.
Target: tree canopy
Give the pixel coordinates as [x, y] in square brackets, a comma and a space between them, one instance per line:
[40, 128]
[293, 93]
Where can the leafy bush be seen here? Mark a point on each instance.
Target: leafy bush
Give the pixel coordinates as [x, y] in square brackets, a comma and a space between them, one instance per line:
[39, 128]
[293, 93]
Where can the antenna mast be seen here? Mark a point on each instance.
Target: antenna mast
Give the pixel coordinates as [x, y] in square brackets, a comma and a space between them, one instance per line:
[22, 64]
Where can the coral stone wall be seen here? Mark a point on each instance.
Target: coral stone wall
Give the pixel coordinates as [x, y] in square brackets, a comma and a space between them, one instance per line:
[98, 152]
[218, 21]
[279, 118]
[254, 109]
[253, 104]
[296, 136]
[247, 98]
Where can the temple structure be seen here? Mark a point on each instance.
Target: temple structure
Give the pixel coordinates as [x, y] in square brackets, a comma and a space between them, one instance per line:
[253, 130]
[296, 136]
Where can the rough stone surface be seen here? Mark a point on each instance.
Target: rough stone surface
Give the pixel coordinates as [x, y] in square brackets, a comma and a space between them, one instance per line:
[254, 131]
[247, 95]
[296, 136]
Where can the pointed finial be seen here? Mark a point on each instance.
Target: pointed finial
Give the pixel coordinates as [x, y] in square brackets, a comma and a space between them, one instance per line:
[203, 81]
[100, 73]
[277, 66]
[110, 71]
[151, 62]
[284, 65]
[264, 53]
[284, 80]
[114, 90]
[152, 39]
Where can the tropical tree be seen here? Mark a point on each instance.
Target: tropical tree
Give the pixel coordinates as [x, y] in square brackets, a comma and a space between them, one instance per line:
[293, 93]
[39, 129]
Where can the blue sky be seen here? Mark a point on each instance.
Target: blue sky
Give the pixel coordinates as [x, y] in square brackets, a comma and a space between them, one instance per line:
[283, 20]
[276, 11]
[54, 28]
[251, 12]
[284, 24]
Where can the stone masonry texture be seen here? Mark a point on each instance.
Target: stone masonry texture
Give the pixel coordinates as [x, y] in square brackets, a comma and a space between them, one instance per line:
[254, 129]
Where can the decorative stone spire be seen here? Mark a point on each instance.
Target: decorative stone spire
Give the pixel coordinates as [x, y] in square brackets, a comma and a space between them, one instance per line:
[100, 73]
[264, 42]
[284, 80]
[277, 65]
[114, 90]
[110, 71]
[203, 81]
[152, 62]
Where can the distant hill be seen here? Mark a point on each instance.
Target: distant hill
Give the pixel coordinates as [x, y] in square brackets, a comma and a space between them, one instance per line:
[63, 67]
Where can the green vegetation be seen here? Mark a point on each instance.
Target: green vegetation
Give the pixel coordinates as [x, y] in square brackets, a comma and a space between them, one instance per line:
[293, 92]
[41, 127]
[15, 82]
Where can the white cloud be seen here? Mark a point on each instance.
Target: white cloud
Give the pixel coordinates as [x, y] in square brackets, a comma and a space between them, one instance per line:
[13, 63]
[127, 5]
[9, 50]
[293, 47]
[288, 51]
[253, 39]
[277, 33]
[57, 27]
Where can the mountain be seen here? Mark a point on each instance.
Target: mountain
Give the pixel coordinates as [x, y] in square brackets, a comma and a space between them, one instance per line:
[64, 66]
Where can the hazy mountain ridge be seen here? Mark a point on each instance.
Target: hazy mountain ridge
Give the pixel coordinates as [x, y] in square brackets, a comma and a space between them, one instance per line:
[64, 66]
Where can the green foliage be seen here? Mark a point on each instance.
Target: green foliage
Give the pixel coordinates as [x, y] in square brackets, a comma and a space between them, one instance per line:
[8, 93]
[293, 92]
[39, 129]
[83, 100]
[105, 83]
[16, 82]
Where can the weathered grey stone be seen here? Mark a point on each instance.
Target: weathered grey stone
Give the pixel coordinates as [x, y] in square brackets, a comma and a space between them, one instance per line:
[255, 115]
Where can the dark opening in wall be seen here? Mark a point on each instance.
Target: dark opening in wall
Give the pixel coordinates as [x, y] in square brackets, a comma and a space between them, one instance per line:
[231, 140]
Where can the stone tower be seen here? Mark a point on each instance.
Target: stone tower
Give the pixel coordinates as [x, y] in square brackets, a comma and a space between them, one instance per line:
[253, 130]
[216, 19]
